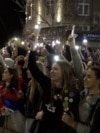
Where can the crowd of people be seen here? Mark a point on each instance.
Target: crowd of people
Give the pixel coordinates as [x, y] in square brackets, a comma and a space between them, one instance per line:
[60, 96]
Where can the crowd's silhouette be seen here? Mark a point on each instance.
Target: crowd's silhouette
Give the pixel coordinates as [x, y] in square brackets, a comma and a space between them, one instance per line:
[39, 94]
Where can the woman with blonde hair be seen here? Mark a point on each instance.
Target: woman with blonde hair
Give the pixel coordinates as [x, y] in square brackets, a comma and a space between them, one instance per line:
[59, 95]
[34, 98]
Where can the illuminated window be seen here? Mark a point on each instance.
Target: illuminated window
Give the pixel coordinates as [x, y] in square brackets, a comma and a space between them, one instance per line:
[83, 7]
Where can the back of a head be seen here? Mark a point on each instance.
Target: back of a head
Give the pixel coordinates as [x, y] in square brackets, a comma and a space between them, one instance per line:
[20, 60]
[21, 51]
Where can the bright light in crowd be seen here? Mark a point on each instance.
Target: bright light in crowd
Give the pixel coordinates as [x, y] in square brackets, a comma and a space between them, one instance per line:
[41, 44]
[76, 47]
[36, 45]
[58, 42]
[53, 43]
[36, 26]
[22, 42]
[56, 58]
[44, 38]
[85, 40]
[30, 17]
[38, 22]
[15, 38]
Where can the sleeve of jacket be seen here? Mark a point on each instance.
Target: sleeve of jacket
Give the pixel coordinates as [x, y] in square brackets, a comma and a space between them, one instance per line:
[77, 63]
[95, 127]
[36, 73]
[50, 49]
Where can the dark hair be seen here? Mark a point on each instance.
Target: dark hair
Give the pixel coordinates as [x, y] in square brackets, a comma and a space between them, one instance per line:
[96, 69]
[9, 50]
[21, 51]
[69, 77]
[20, 60]
[95, 63]
[14, 83]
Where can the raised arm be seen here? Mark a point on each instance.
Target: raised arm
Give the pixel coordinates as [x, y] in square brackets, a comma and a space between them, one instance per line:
[77, 61]
[36, 72]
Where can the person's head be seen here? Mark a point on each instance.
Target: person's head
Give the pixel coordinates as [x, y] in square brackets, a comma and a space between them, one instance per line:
[19, 62]
[40, 66]
[29, 75]
[18, 50]
[92, 78]
[10, 76]
[31, 37]
[92, 63]
[62, 74]
[44, 52]
[14, 52]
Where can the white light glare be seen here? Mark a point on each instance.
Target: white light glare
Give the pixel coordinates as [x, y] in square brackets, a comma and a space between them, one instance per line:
[76, 47]
[85, 40]
[23, 43]
[53, 43]
[58, 42]
[38, 22]
[15, 38]
[36, 45]
[30, 18]
[36, 26]
[41, 44]
[56, 58]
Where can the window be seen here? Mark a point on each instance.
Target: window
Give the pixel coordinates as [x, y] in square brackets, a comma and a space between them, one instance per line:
[83, 28]
[86, 28]
[83, 7]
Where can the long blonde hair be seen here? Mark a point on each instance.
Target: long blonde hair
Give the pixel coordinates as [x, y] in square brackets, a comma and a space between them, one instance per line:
[34, 84]
[68, 81]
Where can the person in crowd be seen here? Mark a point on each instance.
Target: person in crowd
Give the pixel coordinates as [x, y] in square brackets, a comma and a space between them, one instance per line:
[92, 63]
[34, 99]
[18, 50]
[59, 95]
[89, 107]
[23, 80]
[8, 93]
[9, 88]
[76, 59]
[48, 58]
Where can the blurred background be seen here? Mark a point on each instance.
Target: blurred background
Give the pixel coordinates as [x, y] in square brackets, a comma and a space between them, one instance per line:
[12, 18]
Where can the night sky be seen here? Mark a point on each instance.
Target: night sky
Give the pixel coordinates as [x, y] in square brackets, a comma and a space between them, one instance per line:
[12, 18]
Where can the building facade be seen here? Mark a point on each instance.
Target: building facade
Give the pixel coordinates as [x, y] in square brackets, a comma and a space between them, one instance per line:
[56, 17]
